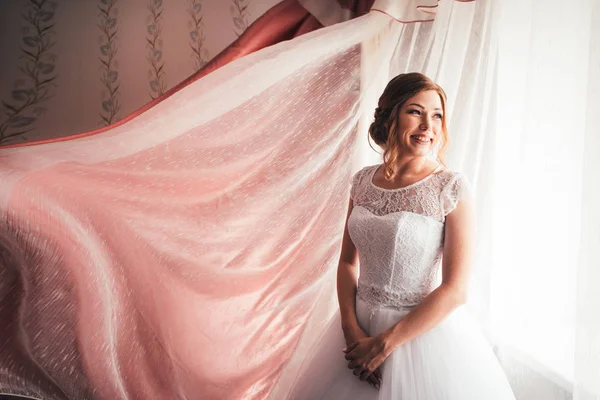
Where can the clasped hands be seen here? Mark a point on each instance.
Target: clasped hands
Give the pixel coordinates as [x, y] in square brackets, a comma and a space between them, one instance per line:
[366, 354]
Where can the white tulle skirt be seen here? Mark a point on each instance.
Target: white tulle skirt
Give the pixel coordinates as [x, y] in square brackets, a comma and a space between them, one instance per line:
[452, 361]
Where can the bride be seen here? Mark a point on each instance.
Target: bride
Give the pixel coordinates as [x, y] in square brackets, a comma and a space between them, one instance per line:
[401, 332]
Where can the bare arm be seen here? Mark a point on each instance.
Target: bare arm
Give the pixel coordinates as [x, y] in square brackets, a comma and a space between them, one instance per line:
[456, 266]
[347, 279]
[347, 284]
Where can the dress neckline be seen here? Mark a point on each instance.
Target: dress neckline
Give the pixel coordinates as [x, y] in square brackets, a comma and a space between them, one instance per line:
[422, 180]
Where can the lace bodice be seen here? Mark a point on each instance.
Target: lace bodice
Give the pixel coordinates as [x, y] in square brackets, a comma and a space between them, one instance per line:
[399, 234]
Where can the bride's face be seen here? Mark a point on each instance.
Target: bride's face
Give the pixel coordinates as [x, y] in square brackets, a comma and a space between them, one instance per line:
[420, 123]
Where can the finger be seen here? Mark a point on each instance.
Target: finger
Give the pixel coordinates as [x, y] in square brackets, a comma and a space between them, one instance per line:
[375, 376]
[374, 382]
[365, 374]
[352, 353]
[351, 347]
[377, 373]
[377, 382]
[357, 371]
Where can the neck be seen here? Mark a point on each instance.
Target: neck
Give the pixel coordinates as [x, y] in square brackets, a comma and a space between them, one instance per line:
[411, 166]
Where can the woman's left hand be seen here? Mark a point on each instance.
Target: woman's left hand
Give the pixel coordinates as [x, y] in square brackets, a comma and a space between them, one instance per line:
[366, 355]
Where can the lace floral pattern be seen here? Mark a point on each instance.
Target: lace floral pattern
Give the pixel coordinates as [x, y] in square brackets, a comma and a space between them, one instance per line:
[434, 196]
[399, 235]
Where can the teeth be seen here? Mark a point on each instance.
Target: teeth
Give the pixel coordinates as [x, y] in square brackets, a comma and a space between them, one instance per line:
[422, 139]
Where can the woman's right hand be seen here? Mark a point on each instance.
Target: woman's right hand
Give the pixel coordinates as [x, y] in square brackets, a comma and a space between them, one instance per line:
[353, 335]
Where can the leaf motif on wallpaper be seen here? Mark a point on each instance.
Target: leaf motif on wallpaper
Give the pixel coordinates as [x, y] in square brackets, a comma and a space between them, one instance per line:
[20, 95]
[113, 76]
[197, 38]
[107, 23]
[30, 41]
[33, 88]
[46, 16]
[156, 73]
[240, 16]
[46, 68]
[20, 122]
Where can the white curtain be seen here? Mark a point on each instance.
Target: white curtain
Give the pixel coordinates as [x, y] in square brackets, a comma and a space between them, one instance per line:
[523, 82]
[545, 267]
[457, 50]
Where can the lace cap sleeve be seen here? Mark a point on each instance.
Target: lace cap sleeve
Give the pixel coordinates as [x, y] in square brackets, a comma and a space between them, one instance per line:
[455, 189]
[355, 182]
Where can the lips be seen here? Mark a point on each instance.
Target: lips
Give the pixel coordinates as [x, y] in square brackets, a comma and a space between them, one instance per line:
[421, 139]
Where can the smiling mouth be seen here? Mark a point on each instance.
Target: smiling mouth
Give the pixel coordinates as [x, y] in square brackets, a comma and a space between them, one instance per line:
[421, 139]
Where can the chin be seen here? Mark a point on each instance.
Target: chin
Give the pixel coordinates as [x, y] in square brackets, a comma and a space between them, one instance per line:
[421, 152]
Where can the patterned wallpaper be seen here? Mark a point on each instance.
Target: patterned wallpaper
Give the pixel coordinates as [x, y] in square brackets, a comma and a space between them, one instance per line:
[33, 88]
[69, 66]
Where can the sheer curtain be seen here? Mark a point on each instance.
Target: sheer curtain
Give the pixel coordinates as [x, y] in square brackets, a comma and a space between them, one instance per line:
[587, 334]
[545, 264]
[456, 47]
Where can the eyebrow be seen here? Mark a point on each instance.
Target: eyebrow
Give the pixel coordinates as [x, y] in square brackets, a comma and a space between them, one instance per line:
[418, 105]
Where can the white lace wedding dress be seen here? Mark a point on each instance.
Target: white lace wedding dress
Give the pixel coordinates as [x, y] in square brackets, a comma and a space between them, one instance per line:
[399, 236]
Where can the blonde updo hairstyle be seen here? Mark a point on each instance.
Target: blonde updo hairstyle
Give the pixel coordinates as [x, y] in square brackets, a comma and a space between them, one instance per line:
[384, 129]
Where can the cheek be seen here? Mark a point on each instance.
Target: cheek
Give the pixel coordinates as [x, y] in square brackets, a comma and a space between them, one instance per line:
[405, 136]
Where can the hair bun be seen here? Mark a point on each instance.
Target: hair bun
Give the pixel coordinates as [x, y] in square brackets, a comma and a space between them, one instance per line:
[378, 132]
[377, 113]
[377, 129]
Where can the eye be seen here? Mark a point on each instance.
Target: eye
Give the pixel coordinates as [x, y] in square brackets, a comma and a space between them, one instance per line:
[417, 112]
[438, 116]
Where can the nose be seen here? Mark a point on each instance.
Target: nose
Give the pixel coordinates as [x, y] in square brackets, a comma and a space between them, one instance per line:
[426, 123]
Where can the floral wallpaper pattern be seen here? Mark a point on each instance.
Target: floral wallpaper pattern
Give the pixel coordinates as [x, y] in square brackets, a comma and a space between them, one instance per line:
[37, 70]
[107, 22]
[156, 73]
[239, 14]
[197, 37]
[99, 60]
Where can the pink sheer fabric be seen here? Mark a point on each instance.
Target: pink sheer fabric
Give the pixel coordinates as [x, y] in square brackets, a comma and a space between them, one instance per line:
[186, 252]
[180, 254]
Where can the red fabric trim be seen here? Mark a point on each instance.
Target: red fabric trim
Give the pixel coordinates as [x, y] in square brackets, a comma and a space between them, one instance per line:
[421, 9]
[404, 22]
